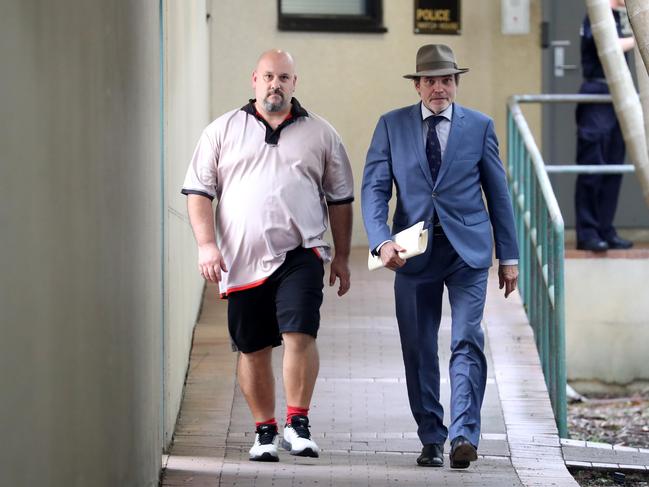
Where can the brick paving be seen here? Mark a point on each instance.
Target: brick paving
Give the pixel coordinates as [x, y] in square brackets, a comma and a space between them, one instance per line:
[360, 415]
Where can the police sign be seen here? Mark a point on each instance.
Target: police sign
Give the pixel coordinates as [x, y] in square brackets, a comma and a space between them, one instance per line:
[437, 17]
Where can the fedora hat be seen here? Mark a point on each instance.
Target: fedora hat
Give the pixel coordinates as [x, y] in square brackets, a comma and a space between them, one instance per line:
[435, 60]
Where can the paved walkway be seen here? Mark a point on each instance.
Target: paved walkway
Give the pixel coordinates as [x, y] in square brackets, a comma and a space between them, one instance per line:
[360, 415]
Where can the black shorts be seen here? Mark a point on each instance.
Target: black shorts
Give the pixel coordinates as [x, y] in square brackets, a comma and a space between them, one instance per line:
[288, 301]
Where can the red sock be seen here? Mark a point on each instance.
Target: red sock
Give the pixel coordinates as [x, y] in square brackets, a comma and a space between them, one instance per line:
[293, 411]
[270, 421]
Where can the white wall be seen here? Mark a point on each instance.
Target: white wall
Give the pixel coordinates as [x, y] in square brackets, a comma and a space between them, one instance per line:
[186, 113]
[607, 320]
[80, 240]
[351, 79]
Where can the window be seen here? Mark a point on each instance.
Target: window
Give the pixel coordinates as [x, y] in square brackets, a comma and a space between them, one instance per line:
[331, 15]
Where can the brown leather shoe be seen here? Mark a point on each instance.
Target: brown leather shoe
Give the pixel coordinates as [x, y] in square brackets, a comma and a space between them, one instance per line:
[432, 455]
[462, 452]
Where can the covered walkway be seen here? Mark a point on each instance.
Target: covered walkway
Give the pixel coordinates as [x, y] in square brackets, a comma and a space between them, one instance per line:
[360, 415]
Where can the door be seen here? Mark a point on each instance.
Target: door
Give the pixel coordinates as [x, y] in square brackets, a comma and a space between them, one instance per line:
[562, 75]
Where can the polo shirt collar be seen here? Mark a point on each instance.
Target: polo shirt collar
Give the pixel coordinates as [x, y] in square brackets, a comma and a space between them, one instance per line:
[272, 136]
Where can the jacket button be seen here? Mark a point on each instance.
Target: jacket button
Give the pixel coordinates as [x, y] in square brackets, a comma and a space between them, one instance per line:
[434, 195]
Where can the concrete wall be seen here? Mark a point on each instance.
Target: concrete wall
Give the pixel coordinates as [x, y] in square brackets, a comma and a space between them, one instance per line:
[186, 113]
[351, 79]
[607, 320]
[80, 266]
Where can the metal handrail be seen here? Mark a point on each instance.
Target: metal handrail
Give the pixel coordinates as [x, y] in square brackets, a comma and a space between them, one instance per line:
[541, 236]
[561, 98]
[589, 169]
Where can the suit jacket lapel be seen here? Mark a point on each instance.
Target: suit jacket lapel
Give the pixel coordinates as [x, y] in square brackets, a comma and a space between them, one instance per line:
[454, 138]
[416, 130]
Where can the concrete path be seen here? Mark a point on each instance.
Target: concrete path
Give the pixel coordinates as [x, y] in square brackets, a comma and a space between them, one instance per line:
[360, 415]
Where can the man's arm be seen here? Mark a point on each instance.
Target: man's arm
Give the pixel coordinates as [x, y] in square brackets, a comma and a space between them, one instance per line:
[201, 217]
[340, 218]
[508, 277]
[376, 188]
[627, 43]
[376, 192]
[494, 184]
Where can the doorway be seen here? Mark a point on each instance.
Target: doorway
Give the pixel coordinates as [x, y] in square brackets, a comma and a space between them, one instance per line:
[562, 75]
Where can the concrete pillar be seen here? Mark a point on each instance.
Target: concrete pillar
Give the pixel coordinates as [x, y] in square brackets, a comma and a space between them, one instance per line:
[80, 243]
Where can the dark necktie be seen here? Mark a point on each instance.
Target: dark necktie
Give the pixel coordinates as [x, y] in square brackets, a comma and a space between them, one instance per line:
[433, 149]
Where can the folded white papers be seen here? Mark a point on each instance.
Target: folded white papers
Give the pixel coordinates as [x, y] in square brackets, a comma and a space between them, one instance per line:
[414, 239]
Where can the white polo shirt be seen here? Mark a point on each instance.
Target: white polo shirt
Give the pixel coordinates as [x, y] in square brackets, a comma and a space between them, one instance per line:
[272, 188]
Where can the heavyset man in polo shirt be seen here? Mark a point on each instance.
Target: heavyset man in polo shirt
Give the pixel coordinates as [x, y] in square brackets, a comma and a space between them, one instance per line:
[277, 171]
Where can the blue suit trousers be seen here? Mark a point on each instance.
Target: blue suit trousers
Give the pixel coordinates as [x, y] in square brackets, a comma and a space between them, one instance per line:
[419, 308]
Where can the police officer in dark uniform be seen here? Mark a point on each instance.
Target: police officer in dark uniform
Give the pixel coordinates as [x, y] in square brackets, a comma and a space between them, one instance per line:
[599, 141]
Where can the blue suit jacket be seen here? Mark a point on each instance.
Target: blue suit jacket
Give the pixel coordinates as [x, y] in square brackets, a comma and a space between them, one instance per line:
[470, 165]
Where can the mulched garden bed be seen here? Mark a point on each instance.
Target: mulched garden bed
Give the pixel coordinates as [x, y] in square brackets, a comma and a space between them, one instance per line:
[616, 420]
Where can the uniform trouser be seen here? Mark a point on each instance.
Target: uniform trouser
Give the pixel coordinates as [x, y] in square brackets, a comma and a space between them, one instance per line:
[599, 141]
[419, 306]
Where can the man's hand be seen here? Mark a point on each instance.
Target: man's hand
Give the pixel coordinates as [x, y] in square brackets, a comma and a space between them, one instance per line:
[210, 262]
[340, 269]
[508, 277]
[390, 256]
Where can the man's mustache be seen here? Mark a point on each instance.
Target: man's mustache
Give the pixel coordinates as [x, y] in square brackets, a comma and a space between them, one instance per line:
[275, 91]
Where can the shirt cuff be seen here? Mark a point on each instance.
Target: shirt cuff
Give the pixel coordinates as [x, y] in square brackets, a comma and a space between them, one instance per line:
[508, 262]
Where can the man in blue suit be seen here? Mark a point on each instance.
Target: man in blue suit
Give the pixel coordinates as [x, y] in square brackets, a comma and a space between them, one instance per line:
[441, 157]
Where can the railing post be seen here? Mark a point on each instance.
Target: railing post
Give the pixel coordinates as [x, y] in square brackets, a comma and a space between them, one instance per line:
[560, 329]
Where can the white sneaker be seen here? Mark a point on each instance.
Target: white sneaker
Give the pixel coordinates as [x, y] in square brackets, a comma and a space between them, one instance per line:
[297, 438]
[266, 443]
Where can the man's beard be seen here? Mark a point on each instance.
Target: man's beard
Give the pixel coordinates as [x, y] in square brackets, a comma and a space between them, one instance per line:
[271, 107]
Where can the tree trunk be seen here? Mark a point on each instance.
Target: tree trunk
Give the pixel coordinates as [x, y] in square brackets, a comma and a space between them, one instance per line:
[643, 87]
[638, 12]
[625, 98]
